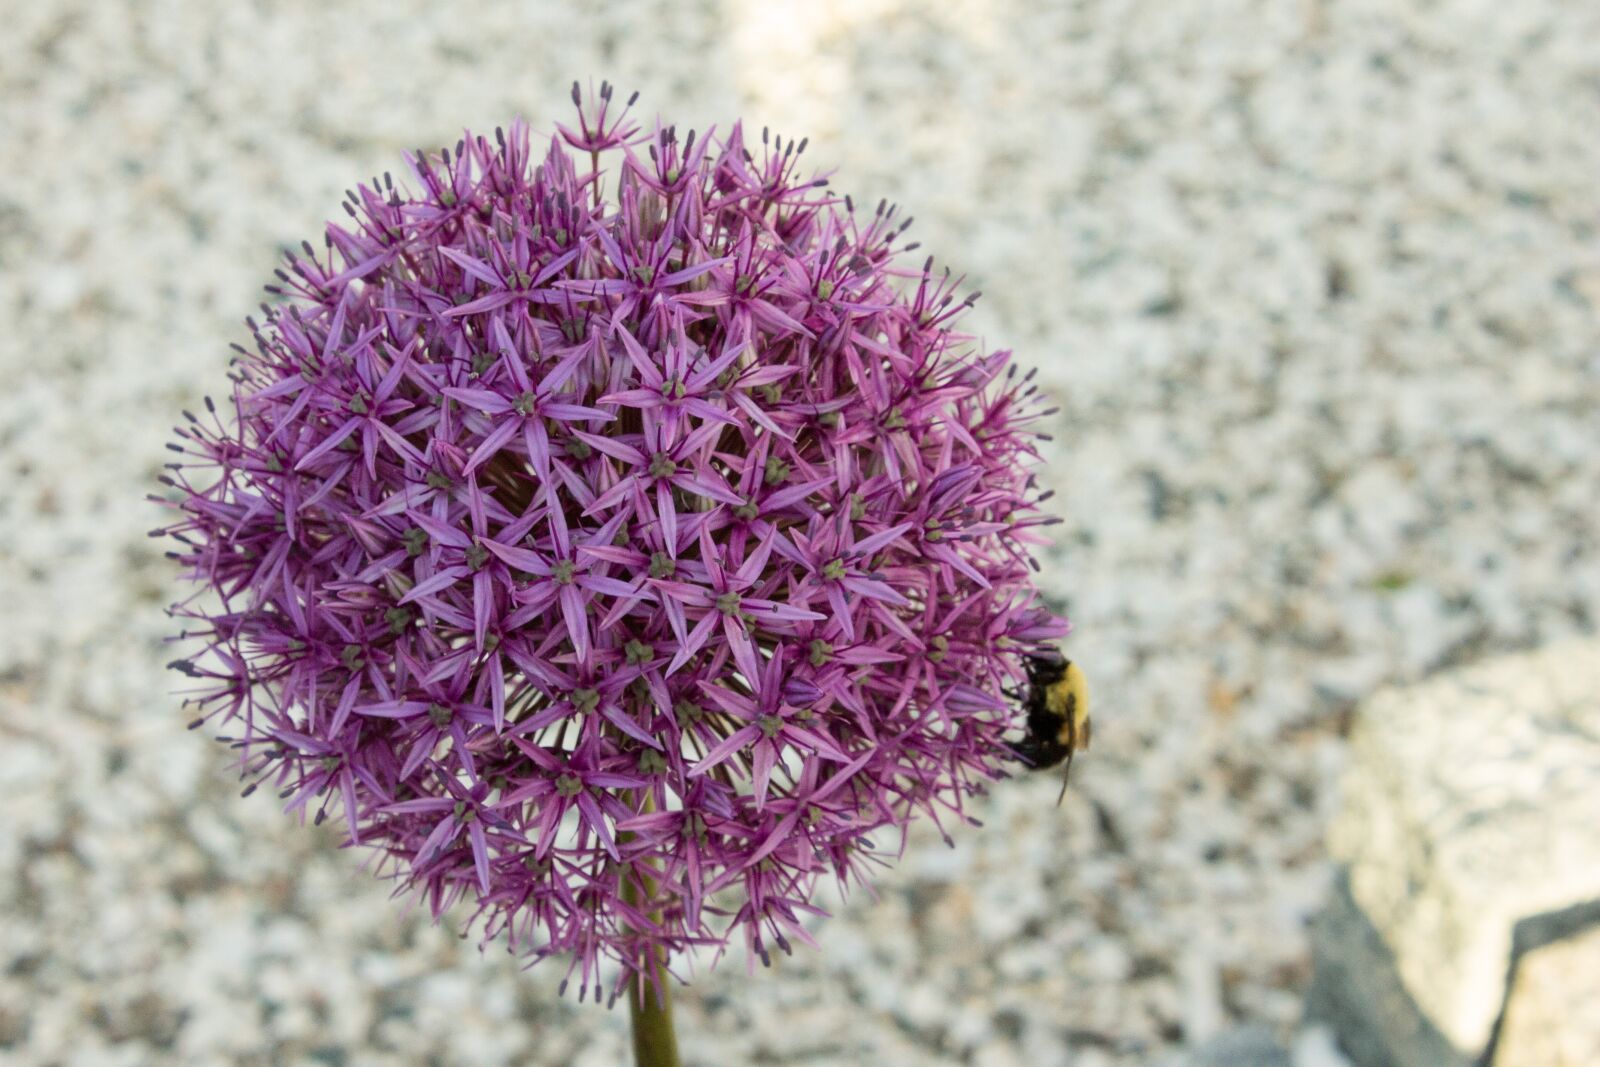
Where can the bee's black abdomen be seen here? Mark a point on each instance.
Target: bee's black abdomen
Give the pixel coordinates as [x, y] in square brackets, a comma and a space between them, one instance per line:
[1041, 753]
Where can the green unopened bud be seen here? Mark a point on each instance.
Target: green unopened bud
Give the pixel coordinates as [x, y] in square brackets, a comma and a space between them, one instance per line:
[687, 711]
[564, 571]
[652, 762]
[585, 700]
[638, 652]
[770, 724]
[662, 466]
[747, 511]
[439, 480]
[398, 619]
[578, 448]
[358, 404]
[776, 471]
[858, 507]
[440, 715]
[569, 785]
[662, 565]
[940, 648]
[821, 652]
[416, 539]
[825, 288]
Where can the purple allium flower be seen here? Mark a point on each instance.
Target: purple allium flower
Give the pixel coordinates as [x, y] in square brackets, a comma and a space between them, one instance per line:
[622, 565]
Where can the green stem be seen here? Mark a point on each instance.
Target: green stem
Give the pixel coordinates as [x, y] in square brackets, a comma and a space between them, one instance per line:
[655, 1043]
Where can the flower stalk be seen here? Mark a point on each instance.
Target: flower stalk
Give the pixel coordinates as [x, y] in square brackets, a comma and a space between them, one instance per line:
[655, 1042]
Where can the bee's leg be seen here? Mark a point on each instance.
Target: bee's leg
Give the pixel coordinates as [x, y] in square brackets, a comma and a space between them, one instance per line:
[1066, 779]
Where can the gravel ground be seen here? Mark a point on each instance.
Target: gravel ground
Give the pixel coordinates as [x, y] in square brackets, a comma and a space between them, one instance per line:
[1315, 284]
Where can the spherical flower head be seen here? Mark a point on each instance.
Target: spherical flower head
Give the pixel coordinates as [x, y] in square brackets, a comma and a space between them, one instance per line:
[622, 564]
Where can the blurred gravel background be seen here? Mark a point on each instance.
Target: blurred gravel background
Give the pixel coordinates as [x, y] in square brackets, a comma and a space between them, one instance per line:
[1315, 284]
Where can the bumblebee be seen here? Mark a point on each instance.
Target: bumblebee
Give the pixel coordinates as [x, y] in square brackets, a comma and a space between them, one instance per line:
[1057, 703]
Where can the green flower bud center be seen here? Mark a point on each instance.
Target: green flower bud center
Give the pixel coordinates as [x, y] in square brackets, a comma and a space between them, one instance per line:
[662, 466]
[821, 652]
[638, 652]
[728, 603]
[440, 715]
[662, 565]
[585, 700]
[569, 785]
[834, 570]
[770, 725]
[564, 571]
